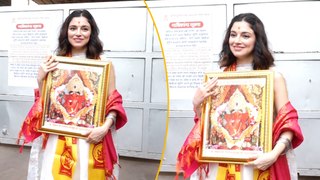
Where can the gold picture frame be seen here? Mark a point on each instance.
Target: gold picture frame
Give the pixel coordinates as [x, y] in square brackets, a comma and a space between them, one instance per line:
[75, 96]
[237, 119]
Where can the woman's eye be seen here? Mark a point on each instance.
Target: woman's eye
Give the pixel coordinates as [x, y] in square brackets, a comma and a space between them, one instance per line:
[85, 29]
[246, 36]
[233, 35]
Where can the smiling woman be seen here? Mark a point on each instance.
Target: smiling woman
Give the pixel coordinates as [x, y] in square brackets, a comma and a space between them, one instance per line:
[79, 34]
[245, 48]
[60, 157]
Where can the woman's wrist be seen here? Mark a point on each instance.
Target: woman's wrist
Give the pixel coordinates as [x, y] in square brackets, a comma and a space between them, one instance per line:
[197, 108]
[110, 120]
[40, 81]
[286, 142]
[280, 148]
[111, 117]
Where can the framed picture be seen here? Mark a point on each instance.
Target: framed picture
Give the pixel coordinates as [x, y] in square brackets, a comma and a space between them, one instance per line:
[75, 96]
[237, 119]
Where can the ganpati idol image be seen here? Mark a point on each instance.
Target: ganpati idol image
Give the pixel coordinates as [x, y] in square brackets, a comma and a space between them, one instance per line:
[234, 123]
[73, 100]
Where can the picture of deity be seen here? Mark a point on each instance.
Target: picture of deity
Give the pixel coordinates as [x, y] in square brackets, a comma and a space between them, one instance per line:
[72, 98]
[235, 119]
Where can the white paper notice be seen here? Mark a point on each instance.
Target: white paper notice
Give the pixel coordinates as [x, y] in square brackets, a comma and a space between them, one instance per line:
[29, 44]
[186, 36]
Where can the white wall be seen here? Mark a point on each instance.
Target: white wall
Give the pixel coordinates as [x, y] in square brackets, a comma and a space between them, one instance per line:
[19, 3]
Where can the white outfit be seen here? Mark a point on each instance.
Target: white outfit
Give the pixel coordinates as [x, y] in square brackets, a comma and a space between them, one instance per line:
[41, 160]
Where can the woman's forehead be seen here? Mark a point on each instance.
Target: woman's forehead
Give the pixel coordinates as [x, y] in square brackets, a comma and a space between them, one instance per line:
[241, 26]
[79, 21]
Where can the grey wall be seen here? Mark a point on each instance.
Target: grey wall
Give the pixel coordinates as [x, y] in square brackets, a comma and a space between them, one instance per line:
[127, 33]
[131, 44]
[294, 37]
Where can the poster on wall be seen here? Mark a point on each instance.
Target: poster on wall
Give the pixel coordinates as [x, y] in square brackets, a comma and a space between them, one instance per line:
[32, 37]
[189, 37]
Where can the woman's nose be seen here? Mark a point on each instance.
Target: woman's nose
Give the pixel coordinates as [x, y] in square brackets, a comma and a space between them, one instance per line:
[237, 39]
[78, 32]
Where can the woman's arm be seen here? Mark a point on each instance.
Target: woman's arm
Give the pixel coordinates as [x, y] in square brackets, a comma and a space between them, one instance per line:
[280, 99]
[48, 65]
[96, 135]
[203, 93]
[264, 161]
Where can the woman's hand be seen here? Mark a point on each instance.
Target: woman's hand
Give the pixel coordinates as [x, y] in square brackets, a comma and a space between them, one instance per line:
[202, 93]
[48, 65]
[96, 134]
[264, 161]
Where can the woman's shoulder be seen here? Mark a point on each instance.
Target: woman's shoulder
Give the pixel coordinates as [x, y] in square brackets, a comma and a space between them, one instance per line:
[280, 89]
[103, 58]
[280, 85]
[278, 76]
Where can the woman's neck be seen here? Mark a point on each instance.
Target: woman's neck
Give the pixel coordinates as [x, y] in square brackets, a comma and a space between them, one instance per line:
[244, 67]
[80, 54]
[75, 51]
[245, 60]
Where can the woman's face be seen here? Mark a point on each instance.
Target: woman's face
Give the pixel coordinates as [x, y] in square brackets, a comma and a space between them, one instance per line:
[241, 41]
[79, 32]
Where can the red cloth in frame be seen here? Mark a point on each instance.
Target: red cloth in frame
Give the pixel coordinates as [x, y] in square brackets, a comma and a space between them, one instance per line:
[32, 122]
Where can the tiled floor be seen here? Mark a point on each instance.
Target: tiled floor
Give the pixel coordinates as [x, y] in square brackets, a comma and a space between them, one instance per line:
[14, 165]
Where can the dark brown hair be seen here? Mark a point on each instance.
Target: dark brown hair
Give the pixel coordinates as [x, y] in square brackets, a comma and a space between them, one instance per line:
[262, 57]
[94, 46]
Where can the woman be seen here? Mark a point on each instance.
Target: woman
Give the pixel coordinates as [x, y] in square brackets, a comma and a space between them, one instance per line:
[245, 48]
[59, 157]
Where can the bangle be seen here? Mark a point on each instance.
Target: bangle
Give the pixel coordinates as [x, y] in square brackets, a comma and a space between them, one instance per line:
[112, 117]
[286, 142]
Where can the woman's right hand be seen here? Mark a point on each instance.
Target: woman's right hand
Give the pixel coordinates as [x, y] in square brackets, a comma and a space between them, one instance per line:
[48, 65]
[202, 93]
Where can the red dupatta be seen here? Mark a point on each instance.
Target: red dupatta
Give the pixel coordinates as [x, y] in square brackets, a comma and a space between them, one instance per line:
[31, 124]
[286, 120]
[114, 103]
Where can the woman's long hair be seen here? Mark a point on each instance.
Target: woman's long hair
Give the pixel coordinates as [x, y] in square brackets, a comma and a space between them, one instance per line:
[94, 46]
[262, 57]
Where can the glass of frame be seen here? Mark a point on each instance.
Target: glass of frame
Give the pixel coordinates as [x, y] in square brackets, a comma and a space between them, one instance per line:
[237, 119]
[75, 96]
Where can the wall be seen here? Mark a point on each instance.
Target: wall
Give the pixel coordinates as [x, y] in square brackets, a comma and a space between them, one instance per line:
[127, 34]
[131, 43]
[293, 36]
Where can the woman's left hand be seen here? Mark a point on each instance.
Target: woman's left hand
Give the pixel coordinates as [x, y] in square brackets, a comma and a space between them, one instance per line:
[263, 161]
[96, 134]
